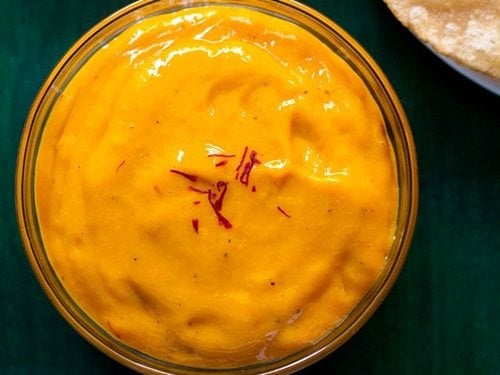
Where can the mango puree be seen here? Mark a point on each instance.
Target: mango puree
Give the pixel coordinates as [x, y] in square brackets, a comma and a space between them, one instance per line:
[215, 187]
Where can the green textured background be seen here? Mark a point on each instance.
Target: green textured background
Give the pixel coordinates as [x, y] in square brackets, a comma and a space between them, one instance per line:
[442, 316]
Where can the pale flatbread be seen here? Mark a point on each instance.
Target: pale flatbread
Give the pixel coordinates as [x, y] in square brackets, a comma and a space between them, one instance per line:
[468, 31]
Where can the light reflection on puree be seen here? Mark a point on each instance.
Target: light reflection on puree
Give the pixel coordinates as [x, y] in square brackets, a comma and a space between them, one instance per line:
[215, 187]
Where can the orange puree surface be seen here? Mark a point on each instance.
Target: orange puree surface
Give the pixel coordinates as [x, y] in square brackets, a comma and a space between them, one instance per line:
[215, 187]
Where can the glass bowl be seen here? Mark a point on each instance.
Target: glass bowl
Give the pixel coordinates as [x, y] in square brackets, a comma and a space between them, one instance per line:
[398, 132]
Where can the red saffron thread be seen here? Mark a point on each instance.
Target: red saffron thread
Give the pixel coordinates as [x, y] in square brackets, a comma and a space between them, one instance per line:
[195, 223]
[221, 219]
[157, 189]
[245, 175]
[190, 177]
[196, 190]
[120, 165]
[215, 201]
[254, 189]
[283, 212]
[241, 162]
[221, 188]
[221, 163]
[222, 155]
[216, 204]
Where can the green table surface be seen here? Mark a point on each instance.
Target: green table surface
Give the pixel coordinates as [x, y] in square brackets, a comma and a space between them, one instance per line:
[441, 317]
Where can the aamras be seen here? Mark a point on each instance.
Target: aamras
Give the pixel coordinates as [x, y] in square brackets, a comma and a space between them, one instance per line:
[215, 187]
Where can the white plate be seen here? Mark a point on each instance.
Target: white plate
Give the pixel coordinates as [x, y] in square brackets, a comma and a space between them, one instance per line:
[489, 83]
